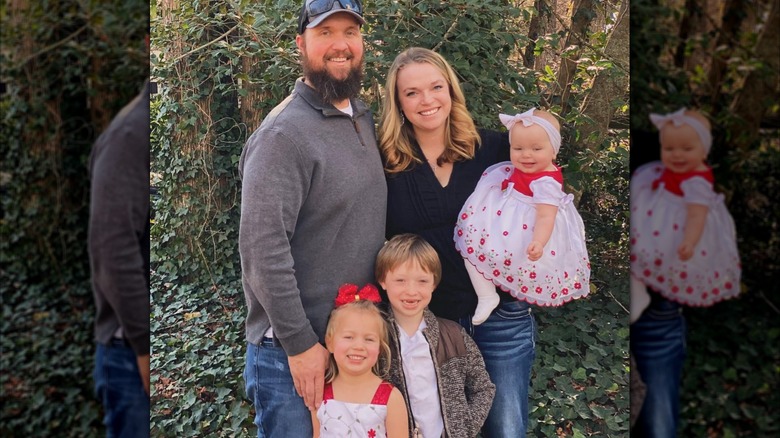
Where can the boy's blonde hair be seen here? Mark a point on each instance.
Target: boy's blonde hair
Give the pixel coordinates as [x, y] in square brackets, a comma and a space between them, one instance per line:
[404, 248]
[382, 366]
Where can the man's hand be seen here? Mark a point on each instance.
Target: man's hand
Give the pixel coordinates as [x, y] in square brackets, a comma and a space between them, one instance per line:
[308, 373]
[143, 368]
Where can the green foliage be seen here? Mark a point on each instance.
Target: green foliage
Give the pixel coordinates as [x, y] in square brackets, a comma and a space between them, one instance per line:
[68, 69]
[222, 65]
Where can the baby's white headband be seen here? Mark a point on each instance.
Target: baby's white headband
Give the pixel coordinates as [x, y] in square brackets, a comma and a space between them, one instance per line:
[528, 118]
[679, 118]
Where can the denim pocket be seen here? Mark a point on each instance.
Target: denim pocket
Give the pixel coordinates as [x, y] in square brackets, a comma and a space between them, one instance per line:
[514, 310]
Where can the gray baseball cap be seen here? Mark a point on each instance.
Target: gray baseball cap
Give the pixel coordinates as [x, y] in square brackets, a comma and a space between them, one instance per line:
[314, 12]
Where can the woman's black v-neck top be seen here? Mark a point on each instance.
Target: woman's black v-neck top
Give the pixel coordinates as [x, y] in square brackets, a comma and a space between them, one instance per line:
[417, 203]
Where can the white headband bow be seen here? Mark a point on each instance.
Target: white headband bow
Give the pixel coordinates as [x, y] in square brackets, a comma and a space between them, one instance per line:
[678, 118]
[528, 118]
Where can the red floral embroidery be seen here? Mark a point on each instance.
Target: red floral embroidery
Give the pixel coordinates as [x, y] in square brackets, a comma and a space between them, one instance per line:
[715, 291]
[371, 433]
[565, 291]
[460, 233]
[675, 226]
[633, 240]
[689, 290]
[649, 212]
[498, 212]
[510, 279]
[506, 233]
[660, 278]
[464, 216]
[507, 262]
[524, 289]
[470, 250]
[554, 295]
[728, 285]
[656, 233]
[717, 274]
[577, 286]
[552, 252]
[658, 262]
[482, 241]
[675, 289]
[496, 272]
[646, 272]
[565, 274]
[532, 275]
[683, 275]
[538, 289]
[481, 257]
[525, 227]
[632, 257]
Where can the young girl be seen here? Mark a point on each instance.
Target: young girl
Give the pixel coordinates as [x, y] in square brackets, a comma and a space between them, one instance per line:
[519, 230]
[683, 242]
[357, 402]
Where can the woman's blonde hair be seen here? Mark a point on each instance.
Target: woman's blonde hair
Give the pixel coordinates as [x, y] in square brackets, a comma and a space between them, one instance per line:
[404, 248]
[382, 366]
[395, 139]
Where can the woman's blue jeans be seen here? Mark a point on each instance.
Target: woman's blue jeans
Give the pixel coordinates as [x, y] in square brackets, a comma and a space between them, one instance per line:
[658, 343]
[279, 410]
[507, 340]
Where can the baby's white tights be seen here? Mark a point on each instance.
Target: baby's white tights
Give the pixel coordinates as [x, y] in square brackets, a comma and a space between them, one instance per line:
[487, 298]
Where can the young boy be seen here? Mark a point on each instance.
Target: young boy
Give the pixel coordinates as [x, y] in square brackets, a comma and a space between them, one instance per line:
[435, 364]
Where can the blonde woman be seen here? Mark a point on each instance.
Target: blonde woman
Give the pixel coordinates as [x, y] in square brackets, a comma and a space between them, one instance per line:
[434, 156]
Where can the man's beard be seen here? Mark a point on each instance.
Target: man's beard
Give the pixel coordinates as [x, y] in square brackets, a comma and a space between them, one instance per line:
[332, 89]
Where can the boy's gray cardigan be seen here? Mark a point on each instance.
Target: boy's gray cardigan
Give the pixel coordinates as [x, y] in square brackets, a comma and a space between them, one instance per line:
[465, 389]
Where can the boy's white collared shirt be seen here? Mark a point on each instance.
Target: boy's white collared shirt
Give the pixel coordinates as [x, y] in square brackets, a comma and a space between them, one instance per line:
[421, 382]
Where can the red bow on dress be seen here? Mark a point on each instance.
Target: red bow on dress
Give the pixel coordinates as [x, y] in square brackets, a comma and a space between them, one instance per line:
[349, 293]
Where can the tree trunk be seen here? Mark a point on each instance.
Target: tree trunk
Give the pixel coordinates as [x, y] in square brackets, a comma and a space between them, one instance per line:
[547, 25]
[760, 87]
[734, 13]
[610, 88]
[582, 15]
[533, 34]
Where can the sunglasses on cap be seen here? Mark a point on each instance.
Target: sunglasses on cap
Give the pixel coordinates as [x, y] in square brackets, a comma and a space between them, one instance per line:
[311, 9]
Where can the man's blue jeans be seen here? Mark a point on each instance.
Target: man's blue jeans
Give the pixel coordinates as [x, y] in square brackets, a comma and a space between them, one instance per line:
[507, 340]
[279, 410]
[658, 345]
[119, 388]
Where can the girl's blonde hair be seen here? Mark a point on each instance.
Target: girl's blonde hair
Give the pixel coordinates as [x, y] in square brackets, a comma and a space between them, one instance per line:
[404, 248]
[395, 139]
[382, 366]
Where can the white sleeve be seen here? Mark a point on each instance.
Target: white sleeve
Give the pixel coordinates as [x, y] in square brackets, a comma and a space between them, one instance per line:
[547, 190]
[697, 190]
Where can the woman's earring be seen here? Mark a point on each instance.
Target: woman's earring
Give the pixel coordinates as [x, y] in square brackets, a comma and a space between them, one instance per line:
[403, 119]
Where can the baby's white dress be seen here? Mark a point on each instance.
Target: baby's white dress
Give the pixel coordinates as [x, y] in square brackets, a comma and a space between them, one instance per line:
[496, 225]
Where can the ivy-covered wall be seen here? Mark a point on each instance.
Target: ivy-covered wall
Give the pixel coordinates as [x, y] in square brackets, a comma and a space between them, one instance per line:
[68, 67]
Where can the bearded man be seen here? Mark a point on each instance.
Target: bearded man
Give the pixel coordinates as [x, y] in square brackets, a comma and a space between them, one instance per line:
[313, 210]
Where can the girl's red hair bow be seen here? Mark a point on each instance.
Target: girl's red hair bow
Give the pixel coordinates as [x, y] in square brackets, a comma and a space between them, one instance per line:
[349, 293]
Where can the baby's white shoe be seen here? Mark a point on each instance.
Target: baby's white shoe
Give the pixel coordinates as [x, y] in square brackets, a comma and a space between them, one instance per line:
[640, 299]
[485, 307]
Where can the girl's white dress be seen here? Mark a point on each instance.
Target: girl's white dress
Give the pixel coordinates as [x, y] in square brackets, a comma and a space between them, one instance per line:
[340, 419]
[659, 200]
[496, 225]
